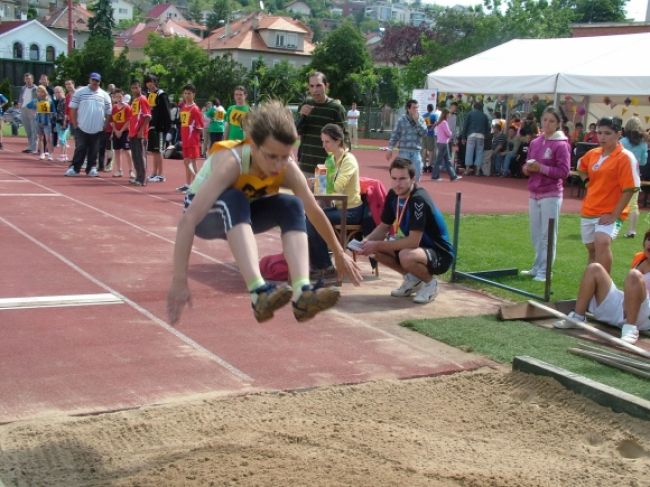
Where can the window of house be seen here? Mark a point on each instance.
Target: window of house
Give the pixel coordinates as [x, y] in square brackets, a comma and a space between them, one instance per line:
[279, 40]
[34, 52]
[123, 11]
[292, 41]
[49, 54]
[18, 50]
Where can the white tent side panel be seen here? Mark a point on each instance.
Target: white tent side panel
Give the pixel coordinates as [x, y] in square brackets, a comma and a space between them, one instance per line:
[605, 65]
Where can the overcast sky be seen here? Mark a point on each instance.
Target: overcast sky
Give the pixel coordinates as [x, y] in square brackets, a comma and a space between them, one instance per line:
[635, 8]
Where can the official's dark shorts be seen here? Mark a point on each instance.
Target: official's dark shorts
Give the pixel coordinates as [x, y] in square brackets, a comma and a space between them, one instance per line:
[121, 142]
[233, 208]
[153, 141]
[438, 262]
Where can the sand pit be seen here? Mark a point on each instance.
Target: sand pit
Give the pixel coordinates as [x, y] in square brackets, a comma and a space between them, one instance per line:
[485, 428]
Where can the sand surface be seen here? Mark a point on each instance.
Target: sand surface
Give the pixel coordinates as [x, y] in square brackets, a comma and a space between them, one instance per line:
[483, 428]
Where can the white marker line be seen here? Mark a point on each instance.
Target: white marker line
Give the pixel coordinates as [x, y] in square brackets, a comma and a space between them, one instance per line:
[14, 181]
[126, 222]
[59, 301]
[184, 338]
[30, 194]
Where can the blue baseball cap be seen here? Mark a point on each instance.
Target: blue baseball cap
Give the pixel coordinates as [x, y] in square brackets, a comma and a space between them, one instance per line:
[96, 76]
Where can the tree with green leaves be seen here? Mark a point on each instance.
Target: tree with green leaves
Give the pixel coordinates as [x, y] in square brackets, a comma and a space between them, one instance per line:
[282, 81]
[221, 14]
[342, 54]
[194, 11]
[219, 78]
[599, 10]
[102, 23]
[175, 60]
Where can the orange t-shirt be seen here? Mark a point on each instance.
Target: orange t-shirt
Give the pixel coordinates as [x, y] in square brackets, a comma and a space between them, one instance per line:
[608, 178]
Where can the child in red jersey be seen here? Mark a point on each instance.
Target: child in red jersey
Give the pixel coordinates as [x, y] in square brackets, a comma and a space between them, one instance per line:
[120, 121]
[138, 132]
[191, 128]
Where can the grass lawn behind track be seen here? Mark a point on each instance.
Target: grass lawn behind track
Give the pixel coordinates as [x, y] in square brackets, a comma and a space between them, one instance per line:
[503, 340]
[488, 242]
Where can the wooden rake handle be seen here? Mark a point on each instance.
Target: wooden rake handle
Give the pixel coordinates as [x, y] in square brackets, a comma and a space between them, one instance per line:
[591, 329]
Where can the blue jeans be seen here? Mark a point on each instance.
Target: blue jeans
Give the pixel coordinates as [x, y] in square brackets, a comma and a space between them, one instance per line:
[442, 159]
[474, 144]
[506, 163]
[415, 156]
[319, 257]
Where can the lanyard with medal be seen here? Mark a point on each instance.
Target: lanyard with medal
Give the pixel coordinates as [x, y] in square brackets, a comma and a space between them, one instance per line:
[399, 215]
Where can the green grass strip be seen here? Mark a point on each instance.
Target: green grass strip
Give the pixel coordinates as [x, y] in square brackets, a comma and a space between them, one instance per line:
[501, 341]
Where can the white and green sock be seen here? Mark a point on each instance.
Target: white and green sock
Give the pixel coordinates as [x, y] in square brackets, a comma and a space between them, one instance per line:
[253, 285]
[297, 285]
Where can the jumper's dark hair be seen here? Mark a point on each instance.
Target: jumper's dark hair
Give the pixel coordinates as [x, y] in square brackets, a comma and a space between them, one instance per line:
[333, 131]
[271, 119]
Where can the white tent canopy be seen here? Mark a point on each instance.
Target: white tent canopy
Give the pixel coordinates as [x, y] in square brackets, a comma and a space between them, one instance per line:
[606, 65]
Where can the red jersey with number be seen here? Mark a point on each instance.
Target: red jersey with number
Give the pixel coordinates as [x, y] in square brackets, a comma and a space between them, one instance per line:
[120, 115]
[191, 125]
[140, 110]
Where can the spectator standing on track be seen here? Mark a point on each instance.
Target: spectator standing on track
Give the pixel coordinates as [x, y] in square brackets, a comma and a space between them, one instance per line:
[236, 195]
[353, 124]
[89, 108]
[429, 139]
[61, 123]
[191, 129]
[43, 80]
[27, 105]
[138, 132]
[317, 111]
[475, 129]
[44, 117]
[158, 126]
[216, 116]
[417, 245]
[3, 102]
[236, 114]
[634, 140]
[613, 179]
[13, 114]
[120, 122]
[407, 134]
[548, 165]
[443, 138]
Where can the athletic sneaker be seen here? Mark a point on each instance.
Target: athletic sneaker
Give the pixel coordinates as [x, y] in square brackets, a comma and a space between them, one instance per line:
[629, 333]
[528, 273]
[313, 300]
[71, 172]
[93, 172]
[157, 179]
[50, 158]
[183, 189]
[540, 278]
[427, 292]
[269, 298]
[565, 324]
[410, 285]
[42, 156]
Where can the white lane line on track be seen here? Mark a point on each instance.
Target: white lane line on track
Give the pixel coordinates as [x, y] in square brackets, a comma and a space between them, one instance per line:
[32, 302]
[184, 338]
[30, 194]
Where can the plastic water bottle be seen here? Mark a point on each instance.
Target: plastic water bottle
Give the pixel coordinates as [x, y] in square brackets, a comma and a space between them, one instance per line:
[330, 165]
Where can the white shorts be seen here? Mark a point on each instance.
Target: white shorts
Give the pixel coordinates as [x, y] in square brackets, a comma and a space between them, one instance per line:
[590, 226]
[611, 310]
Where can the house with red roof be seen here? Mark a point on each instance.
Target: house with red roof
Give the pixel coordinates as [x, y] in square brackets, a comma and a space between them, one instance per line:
[57, 22]
[273, 38]
[136, 37]
[168, 11]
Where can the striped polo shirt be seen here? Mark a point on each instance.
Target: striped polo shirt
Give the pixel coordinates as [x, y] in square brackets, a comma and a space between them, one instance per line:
[92, 109]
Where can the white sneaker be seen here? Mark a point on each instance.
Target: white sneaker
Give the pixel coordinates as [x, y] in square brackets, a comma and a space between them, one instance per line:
[528, 273]
[71, 172]
[629, 333]
[50, 158]
[427, 292]
[93, 172]
[565, 324]
[540, 278]
[42, 156]
[410, 285]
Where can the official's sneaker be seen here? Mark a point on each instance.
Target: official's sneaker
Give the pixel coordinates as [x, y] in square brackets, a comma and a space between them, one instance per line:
[457, 178]
[71, 172]
[50, 158]
[540, 278]
[93, 172]
[629, 333]
[566, 324]
[427, 292]
[42, 156]
[269, 297]
[313, 300]
[183, 189]
[410, 285]
[528, 273]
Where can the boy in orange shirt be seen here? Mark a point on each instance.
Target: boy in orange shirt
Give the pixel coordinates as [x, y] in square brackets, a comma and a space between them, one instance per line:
[613, 178]
[191, 128]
